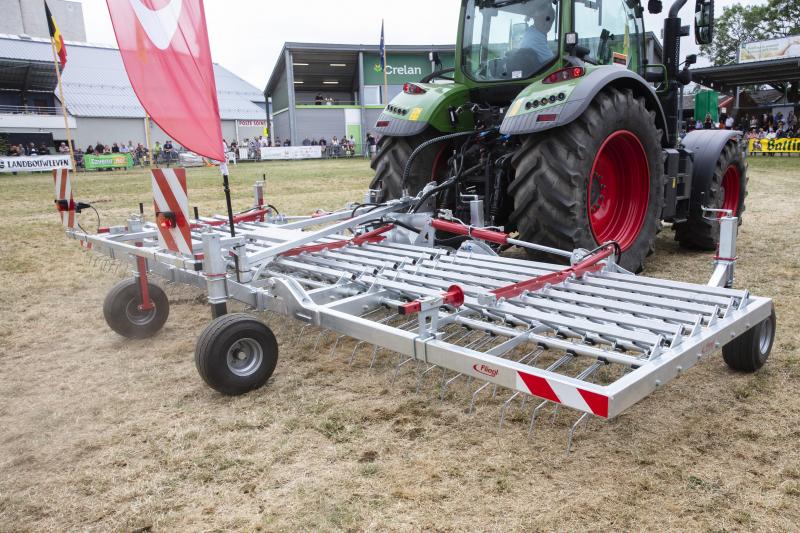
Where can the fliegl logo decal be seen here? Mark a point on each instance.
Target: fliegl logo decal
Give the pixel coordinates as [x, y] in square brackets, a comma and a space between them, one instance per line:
[485, 370]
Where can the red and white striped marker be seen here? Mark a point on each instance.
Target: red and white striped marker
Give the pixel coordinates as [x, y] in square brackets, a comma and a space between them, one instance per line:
[172, 209]
[65, 203]
[558, 392]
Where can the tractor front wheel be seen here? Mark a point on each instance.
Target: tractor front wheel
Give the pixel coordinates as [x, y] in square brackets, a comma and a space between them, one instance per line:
[595, 180]
[726, 188]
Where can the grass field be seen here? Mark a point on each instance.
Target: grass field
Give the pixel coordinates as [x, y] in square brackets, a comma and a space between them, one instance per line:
[102, 434]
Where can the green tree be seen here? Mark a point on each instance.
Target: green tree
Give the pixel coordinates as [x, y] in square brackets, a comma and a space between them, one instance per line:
[741, 24]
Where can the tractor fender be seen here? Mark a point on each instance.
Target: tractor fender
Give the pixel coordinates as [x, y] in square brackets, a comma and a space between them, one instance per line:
[523, 119]
[707, 145]
[411, 114]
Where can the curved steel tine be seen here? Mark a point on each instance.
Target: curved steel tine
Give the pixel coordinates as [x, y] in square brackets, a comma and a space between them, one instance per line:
[583, 418]
[375, 351]
[535, 414]
[421, 376]
[319, 339]
[505, 408]
[336, 345]
[475, 397]
[355, 349]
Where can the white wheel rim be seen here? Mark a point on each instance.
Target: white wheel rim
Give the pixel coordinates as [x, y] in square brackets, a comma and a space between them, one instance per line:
[244, 357]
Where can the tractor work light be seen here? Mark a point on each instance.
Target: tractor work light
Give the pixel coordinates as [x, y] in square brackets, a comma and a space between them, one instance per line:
[565, 74]
[413, 88]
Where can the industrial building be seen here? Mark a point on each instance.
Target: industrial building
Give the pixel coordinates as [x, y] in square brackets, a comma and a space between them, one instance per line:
[350, 82]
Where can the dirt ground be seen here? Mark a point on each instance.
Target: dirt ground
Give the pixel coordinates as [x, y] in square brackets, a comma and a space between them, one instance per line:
[102, 434]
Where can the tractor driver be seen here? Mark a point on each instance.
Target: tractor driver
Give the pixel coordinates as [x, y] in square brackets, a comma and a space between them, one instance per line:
[535, 37]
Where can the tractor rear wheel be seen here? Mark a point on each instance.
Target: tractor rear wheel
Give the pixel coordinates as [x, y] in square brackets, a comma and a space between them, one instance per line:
[597, 179]
[390, 163]
[726, 188]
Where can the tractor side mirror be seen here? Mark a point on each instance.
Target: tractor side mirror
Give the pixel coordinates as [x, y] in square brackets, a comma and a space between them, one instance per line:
[704, 21]
[655, 73]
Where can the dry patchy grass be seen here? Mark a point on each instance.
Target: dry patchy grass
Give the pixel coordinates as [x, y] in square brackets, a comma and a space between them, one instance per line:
[99, 433]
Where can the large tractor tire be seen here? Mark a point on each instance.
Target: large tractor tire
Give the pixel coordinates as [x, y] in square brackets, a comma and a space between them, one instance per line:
[393, 154]
[725, 188]
[595, 180]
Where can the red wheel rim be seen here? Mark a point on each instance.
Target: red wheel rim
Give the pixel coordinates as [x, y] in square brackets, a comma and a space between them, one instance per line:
[619, 190]
[732, 184]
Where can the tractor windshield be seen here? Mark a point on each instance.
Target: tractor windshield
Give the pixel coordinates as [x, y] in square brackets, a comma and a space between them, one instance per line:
[509, 40]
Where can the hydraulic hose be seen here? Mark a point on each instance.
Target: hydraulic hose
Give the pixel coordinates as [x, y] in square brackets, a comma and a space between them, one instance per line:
[423, 146]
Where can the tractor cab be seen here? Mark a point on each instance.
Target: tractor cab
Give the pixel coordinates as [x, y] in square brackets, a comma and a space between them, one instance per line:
[520, 41]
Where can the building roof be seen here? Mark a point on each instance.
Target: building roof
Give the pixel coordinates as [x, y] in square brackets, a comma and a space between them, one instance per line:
[771, 72]
[96, 84]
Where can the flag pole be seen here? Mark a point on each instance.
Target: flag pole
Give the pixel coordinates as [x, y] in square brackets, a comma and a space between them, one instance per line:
[63, 106]
[148, 139]
[385, 66]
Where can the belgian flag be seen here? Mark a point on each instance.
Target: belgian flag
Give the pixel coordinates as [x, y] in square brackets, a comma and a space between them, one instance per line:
[58, 39]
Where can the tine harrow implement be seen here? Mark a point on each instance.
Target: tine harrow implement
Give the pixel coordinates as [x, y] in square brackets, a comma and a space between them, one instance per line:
[588, 336]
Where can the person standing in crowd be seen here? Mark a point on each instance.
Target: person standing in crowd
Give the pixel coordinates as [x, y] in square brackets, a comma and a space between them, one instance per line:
[157, 149]
[287, 142]
[90, 150]
[729, 123]
[791, 121]
[372, 144]
[115, 148]
[123, 148]
[99, 148]
[306, 142]
[63, 148]
[319, 99]
[708, 123]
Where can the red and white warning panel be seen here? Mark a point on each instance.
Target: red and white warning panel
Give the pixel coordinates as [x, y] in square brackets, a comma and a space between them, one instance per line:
[65, 204]
[172, 209]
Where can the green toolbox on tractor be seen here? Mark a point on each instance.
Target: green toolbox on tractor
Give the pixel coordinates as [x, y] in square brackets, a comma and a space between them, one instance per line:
[553, 117]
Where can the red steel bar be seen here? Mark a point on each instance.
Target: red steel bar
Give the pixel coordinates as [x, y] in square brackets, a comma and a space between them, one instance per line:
[454, 296]
[590, 264]
[372, 237]
[459, 229]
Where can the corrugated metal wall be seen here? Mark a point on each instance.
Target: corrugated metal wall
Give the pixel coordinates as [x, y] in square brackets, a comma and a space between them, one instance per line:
[111, 130]
[281, 124]
[318, 123]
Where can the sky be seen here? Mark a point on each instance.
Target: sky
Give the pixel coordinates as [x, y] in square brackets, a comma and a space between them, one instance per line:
[247, 36]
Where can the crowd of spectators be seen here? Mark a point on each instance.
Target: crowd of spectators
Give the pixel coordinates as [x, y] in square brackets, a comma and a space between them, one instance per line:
[763, 126]
[334, 147]
[30, 149]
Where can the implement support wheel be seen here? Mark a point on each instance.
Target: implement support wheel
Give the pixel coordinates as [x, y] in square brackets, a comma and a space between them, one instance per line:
[749, 352]
[125, 314]
[236, 354]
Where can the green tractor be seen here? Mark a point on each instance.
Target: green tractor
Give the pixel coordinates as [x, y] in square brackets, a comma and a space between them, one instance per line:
[553, 117]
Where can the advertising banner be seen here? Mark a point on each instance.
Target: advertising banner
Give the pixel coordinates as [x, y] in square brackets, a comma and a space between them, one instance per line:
[401, 68]
[291, 152]
[783, 48]
[95, 162]
[775, 146]
[33, 163]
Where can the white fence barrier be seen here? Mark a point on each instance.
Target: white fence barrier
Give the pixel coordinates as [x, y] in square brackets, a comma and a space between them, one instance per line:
[33, 163]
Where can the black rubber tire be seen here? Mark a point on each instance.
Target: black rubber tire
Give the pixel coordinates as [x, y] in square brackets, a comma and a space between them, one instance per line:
[390, 163]
[218, 338]
[552, 170]
[121, 312]
[749, 352]
[699, 233]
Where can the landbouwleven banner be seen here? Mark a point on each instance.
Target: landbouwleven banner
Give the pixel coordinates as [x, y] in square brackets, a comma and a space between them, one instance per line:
[95, 162]
[775, 146]
[33, 163]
